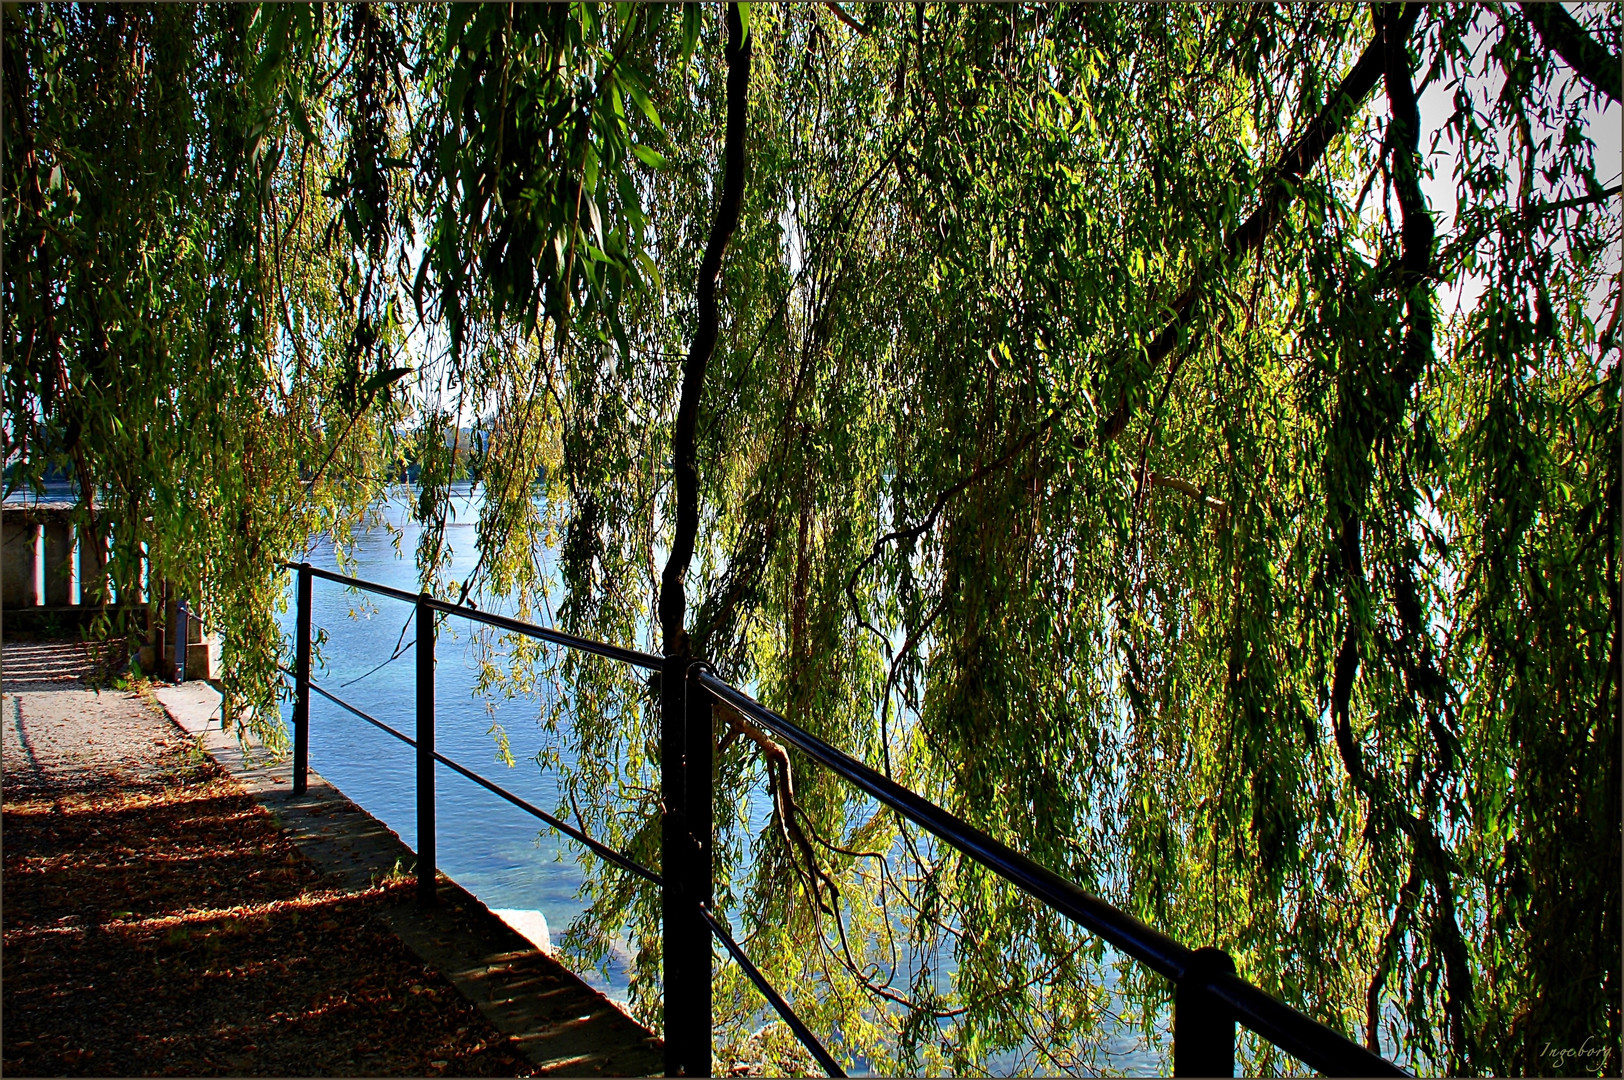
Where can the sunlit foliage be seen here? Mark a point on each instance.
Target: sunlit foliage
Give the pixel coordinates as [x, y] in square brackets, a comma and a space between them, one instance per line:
[1129, 429]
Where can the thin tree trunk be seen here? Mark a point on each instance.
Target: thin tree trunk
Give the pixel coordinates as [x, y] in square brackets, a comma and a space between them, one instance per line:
[673, 600]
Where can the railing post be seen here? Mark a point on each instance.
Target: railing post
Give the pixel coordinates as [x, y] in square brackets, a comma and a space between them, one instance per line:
[183, 635]
[76, 592]
[1203, 1027]
[425, 750]
[674, 916]
[699, 751]
[301, 685]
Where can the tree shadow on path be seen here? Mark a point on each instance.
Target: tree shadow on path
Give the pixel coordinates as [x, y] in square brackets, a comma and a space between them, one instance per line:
[161, 924]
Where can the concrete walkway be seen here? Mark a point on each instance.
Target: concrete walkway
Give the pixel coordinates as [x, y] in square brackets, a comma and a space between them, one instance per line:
[556, 1020]
[72, 736]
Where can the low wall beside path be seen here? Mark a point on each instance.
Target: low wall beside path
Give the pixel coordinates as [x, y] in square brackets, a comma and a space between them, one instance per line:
[52, 587]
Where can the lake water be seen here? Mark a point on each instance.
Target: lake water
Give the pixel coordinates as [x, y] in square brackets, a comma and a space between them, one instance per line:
[493, 849]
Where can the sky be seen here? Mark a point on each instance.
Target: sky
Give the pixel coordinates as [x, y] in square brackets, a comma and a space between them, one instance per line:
[1604, 126]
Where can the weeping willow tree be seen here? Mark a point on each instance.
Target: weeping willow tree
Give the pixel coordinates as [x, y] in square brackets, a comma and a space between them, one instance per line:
[233, 233]
[193, 328]
[1182, 441]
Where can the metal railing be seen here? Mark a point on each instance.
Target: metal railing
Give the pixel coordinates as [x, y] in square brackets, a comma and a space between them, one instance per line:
[1208, 997]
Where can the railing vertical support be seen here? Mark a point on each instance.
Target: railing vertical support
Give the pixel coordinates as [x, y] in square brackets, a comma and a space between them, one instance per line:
[183, 636]
[425, 750]
[1203, 1026]
[675, 920]
[699, 750]
[301, 685]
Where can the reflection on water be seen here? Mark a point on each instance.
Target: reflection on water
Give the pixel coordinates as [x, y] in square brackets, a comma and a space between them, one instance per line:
[495, 851]
[491, 848]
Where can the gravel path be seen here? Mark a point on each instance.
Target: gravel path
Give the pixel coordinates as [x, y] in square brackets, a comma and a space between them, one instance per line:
[158, 922]
[60, 735]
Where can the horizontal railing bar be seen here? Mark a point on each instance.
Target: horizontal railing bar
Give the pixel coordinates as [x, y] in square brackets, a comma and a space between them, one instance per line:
[557, 637]
[358, 583]
[607, 853]
[802, 1032]
[341, 703]
[1312, 1042]
[519, 626]
[1303, 1037]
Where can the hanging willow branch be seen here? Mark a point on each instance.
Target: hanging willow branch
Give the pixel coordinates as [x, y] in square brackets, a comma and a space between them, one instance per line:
[1294, 164]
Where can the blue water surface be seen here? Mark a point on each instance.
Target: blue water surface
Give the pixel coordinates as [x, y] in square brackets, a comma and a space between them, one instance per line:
[493, 849]
[499, 853]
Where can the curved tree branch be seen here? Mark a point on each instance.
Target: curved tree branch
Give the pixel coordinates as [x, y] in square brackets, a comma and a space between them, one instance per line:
[1583, 53]
[1430, 855]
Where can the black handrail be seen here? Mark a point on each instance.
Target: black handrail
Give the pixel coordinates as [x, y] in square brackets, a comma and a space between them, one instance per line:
[354, 583]
[1208, 996]
[603, 851]
[609, 854]
[614, 652]
[1302, 1036]
[1163, 954]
